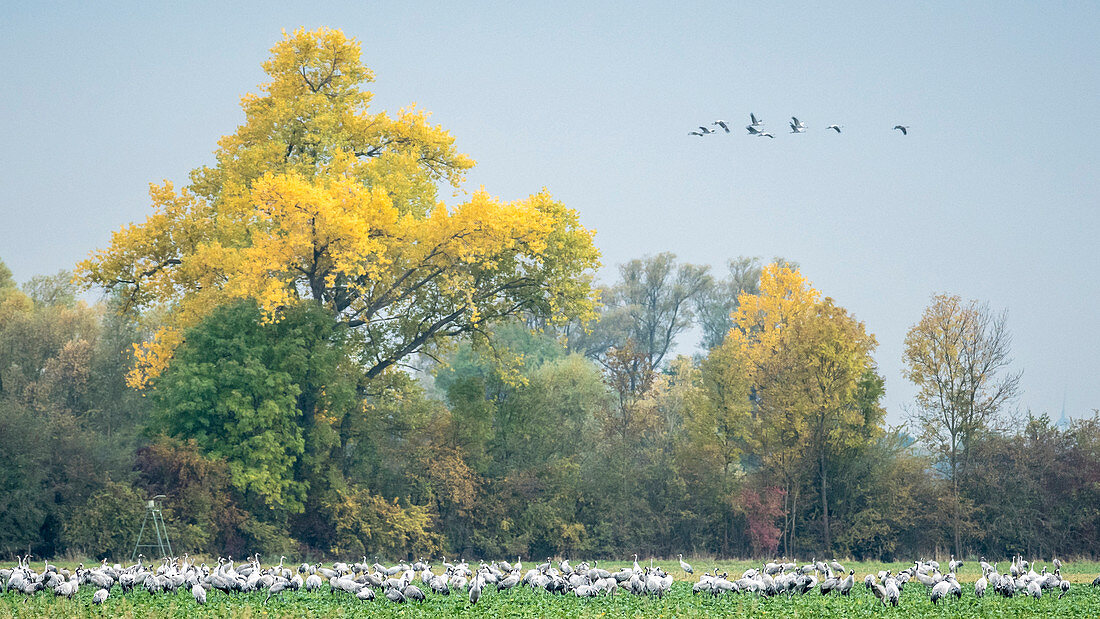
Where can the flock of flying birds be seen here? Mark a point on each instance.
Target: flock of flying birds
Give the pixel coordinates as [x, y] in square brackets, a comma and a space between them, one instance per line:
[755, 127]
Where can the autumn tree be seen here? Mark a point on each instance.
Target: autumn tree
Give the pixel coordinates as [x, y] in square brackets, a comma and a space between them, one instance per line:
[7, 282]
[958, 356]
[316, 197]
[805, 357]
[715, 305]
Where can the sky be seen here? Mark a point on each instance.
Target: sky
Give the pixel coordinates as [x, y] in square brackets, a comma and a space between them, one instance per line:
[993, 195]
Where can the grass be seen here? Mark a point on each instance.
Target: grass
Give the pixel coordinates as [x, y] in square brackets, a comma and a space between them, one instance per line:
[1082, 601]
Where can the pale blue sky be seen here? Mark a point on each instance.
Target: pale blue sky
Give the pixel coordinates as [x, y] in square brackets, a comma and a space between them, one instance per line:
[993, 195]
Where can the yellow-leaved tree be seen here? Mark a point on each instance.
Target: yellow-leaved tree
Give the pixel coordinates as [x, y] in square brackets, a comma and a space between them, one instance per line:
[316, 197]
[804, 357]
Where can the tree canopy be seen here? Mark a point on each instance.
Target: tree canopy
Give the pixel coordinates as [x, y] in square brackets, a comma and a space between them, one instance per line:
[958, 356]
[317, 197]
[806, 358]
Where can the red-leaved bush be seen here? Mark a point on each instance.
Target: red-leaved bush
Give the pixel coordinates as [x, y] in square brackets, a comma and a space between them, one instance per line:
[761, 513]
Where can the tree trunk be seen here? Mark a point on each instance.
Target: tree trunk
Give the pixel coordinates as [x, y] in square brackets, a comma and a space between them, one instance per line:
[787, 520]
[955, 492]
[825, 506]
[726, 537]
[794, 519]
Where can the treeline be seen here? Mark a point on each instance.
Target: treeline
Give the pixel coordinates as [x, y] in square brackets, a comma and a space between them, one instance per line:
[308, 352]
[534, 440]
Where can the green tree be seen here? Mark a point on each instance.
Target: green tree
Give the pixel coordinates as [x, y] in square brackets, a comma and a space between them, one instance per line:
[107, 525]
[651, 304]
[55, 356]
[201, 508]
[234, 390]
[530, 408]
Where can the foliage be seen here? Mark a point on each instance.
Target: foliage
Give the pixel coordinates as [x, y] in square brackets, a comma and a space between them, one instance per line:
[107, 525]
[714, 306]
[66, 427]
[315, 197]
[761, 510]
[366, 523]
[958, 355]
[231, 392]
[201, 508]
[7, 282]
[807, 361]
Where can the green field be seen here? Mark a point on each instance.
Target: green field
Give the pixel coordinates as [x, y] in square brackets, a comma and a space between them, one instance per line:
[1083, 600]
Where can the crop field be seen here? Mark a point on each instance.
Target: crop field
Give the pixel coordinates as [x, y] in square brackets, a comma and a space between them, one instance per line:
[1083, 600]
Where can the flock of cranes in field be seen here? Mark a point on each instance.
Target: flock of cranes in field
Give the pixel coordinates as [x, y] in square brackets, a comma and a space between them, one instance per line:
[829, 578]
[406, 582]
[756, 127]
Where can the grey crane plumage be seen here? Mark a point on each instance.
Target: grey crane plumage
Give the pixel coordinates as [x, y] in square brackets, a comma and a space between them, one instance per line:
[475, 590]
[276, 588]
[395, 596]
[845, 587]
[903, 128]
[685, 566]
[1034, 590]
[893, 594]
[880, 592]
[940, 591]
[954, 565]
[365, 593]
[412, 592]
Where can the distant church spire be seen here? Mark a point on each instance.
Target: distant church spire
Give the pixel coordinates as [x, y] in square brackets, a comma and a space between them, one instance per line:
[1063, 421]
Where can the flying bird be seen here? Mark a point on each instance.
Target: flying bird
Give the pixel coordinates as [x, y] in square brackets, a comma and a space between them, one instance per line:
[797, 128]
[834, 128]
[797, 123]
[705, 130]
[722, 124]
[755, 122]
[903, 128]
